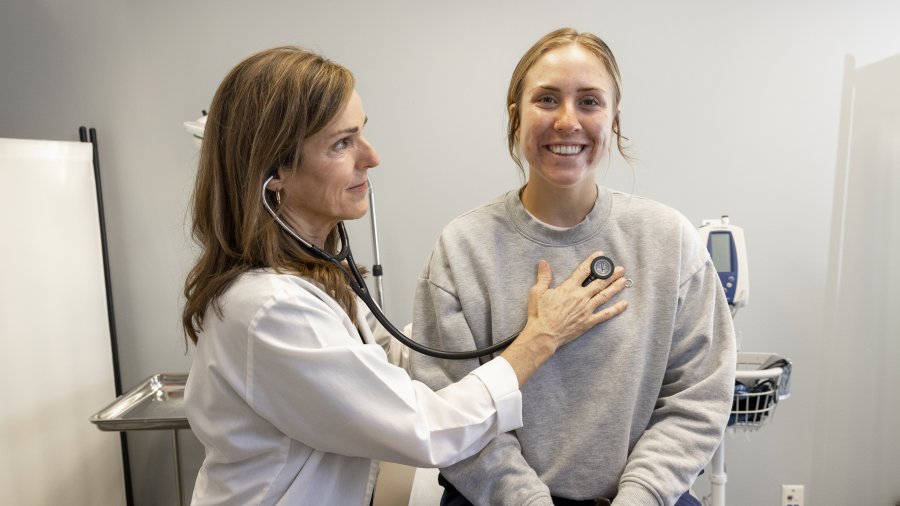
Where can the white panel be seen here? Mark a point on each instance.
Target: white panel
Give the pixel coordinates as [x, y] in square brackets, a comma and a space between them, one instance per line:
[55, 354]
[859, 407]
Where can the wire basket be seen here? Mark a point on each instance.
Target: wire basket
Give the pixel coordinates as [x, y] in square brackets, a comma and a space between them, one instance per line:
[761, 380]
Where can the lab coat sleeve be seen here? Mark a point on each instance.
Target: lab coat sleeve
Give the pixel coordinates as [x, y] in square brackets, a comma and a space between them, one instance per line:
[695, 397]
[499, 474]
[317, 383]
[397, 352]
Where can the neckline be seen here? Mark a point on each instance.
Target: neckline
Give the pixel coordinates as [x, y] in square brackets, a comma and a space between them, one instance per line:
[550, 235]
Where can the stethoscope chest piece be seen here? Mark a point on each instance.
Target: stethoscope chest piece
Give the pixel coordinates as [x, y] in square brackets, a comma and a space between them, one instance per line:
[602, 267]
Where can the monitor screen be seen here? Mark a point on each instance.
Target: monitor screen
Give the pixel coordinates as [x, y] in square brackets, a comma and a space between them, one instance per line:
[720, 251]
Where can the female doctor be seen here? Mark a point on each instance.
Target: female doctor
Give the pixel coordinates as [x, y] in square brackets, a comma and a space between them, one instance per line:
[290, 392]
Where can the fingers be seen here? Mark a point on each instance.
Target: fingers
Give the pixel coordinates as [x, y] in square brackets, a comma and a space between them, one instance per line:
[599, 285]
[608, 290]
[609, 312]
[570, 309]
[584, 269]
[544, 276]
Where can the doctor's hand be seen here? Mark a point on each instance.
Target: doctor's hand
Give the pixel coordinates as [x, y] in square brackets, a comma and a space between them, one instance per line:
[557, 316]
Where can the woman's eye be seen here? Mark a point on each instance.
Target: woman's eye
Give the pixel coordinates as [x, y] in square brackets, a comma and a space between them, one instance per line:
[342, 144]
[546, 99]
[591, 101]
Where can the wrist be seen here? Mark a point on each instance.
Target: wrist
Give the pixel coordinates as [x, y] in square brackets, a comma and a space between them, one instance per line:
[539, 342]
[529, 351]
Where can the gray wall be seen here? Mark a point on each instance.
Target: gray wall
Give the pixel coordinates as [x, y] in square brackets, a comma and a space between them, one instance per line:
[732, 108]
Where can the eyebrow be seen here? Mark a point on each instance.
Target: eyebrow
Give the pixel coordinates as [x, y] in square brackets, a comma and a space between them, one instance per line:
[580, 90]
[351, 130]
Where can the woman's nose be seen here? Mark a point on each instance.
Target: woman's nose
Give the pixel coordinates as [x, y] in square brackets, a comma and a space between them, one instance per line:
[567, 119]
[370, 158]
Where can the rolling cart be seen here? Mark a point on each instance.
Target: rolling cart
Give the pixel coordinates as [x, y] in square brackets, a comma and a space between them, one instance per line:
[761, 381]
[157, 403]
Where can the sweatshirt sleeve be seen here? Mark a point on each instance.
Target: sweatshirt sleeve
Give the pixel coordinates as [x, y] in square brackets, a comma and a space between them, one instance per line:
[499, 474]
[695, 396]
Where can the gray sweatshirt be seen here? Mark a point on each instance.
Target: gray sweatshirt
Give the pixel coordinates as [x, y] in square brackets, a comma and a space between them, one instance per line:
[634, 408]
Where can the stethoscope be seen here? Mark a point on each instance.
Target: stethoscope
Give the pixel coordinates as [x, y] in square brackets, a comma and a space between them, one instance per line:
[601, 268]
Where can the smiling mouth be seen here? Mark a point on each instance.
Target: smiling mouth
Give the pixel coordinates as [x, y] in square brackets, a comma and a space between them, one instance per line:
[566, 149]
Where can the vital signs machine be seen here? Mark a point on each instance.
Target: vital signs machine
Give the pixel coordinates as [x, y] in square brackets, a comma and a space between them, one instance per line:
[761, 379]
[728, 250]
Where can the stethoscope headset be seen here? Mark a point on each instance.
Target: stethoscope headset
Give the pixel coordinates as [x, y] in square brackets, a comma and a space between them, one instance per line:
[601, 268]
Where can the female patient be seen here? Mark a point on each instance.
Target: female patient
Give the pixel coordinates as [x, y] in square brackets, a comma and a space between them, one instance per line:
[631, 412]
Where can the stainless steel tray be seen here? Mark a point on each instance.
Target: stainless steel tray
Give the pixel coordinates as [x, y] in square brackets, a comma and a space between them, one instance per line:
[156, 403]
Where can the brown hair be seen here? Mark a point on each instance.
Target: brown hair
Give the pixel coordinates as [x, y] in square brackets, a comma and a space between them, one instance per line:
[260, 115]
[553, 40]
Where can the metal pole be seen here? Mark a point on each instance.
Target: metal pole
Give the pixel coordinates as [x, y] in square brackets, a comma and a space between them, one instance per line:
[90, 135]
[376, 268]
[177, 448]
[718, 478]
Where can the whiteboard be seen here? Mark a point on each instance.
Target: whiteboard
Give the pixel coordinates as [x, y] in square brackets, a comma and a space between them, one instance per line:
[55, 354]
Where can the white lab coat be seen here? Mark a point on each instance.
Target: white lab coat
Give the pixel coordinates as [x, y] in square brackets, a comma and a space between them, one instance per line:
[292, 407]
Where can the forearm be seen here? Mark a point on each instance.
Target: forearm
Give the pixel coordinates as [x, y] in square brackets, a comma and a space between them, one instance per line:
[669, 456]
[694, 400]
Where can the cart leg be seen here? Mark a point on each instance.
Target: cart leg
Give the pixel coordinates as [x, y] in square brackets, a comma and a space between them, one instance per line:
[717, 477]
[176, 446]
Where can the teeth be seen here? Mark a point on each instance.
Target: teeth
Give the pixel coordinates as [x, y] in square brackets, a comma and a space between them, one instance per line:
[566, 150]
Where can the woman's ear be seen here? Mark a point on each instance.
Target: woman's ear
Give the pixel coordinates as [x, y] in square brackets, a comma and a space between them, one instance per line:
[615, 124]
[278, 178]
[513, 110]
[275, 184]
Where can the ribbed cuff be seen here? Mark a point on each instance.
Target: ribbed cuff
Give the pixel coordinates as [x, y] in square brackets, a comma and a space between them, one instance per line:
[633, 494]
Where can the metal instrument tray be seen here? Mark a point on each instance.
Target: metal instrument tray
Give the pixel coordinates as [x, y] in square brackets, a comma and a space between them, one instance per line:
[156, 403]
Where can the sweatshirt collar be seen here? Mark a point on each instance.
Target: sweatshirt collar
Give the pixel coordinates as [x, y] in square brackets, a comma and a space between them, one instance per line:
[550, 235]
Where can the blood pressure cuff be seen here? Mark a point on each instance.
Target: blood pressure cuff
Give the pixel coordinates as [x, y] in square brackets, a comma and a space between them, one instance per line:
[751, 404]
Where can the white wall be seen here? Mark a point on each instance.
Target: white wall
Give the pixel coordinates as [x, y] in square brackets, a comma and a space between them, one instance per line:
[731, 107]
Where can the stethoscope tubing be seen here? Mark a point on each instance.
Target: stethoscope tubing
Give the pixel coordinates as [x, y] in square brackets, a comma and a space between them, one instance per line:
[358, 285]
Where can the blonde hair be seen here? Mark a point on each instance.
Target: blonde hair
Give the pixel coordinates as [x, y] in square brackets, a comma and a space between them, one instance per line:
[259, 117]
[553, 40]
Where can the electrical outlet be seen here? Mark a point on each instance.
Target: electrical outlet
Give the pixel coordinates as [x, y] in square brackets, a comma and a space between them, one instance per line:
[792, 495]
